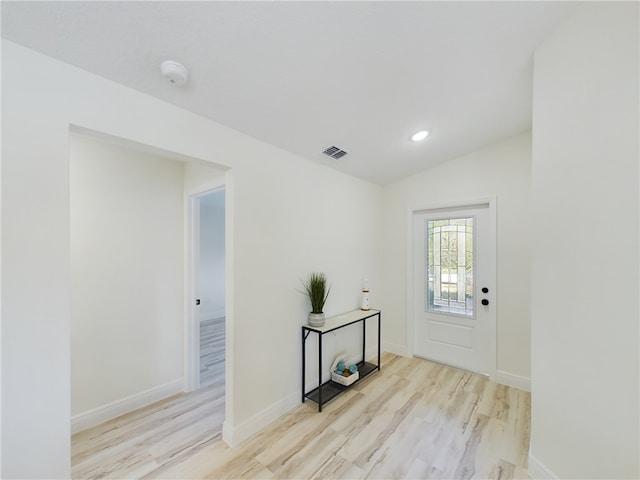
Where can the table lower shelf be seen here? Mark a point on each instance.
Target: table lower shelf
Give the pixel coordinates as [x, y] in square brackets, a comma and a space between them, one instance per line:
[331, 389]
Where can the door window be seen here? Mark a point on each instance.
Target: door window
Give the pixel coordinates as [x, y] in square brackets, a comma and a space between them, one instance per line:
[450, 266]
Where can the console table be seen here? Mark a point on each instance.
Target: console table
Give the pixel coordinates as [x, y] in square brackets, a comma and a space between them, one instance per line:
[329, 390]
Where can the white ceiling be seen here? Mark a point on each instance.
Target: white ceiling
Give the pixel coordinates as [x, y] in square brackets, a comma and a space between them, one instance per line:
[306, 75]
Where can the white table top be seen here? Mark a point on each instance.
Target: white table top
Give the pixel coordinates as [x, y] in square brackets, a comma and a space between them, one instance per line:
[341, 320]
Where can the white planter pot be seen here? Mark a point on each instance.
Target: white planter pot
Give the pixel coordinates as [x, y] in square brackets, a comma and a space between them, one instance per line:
[316, 319]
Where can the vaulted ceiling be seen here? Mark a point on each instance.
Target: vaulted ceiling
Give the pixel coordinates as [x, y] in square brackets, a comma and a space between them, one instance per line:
[307, 75]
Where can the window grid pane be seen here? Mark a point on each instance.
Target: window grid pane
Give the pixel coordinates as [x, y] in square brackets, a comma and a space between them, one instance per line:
[449, 262]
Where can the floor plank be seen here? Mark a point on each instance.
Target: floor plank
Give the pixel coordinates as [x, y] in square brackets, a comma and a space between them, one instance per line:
[212, 354]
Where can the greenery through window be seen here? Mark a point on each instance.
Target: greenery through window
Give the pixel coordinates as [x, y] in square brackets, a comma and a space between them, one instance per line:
[450, 266]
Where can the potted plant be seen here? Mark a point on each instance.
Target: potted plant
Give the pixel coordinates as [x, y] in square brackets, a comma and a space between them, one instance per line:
[317, 290]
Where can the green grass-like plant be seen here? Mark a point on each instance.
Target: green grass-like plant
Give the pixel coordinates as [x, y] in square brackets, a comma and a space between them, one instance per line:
[317, 290]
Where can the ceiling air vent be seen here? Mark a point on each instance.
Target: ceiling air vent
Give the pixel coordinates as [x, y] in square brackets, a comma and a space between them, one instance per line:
[335, 152]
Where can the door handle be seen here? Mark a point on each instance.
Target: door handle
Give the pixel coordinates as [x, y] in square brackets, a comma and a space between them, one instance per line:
[485, 301]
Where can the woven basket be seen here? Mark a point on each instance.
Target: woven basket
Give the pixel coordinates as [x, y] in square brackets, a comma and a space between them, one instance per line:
[342, 380]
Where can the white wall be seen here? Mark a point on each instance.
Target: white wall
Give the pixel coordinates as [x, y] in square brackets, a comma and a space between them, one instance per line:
[211, 270]
[289, 216]
[501, 170]
[126, 272]
[36, 277]
[200, 176]
[298, 218]
[585, 259]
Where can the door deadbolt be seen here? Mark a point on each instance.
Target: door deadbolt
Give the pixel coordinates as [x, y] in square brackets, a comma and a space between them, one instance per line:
[485, 290]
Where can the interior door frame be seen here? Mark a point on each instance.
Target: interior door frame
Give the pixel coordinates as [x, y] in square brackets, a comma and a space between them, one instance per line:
[192, 241]
[492, 232]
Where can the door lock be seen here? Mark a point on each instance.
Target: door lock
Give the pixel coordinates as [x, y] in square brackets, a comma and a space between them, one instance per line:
[485, 301]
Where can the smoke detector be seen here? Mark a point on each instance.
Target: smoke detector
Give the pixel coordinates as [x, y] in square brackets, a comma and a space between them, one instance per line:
[175, 72]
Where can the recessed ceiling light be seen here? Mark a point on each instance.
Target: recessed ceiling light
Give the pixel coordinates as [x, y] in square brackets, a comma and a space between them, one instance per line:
[421, 135]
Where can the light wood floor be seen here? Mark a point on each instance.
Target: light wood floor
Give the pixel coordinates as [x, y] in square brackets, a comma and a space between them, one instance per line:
[414, 419]
[145, 442]
[211, 351]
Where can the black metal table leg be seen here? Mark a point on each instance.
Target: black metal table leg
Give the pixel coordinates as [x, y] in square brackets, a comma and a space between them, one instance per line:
[303, 362]
[319, 372]
[379, 337]
[364, 338]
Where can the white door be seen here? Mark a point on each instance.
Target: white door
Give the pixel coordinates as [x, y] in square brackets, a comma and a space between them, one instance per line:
[454, 287]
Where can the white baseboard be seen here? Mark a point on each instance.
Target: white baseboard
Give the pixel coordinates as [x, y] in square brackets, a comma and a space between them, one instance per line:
[395, 349]
[512, 380]
[235, 435]
[371, 354]
[539, 471]
[227, 434]
[84, 420]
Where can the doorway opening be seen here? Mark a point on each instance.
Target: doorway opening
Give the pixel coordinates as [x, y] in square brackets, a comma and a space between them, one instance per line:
[208, 289]
[129, 280]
